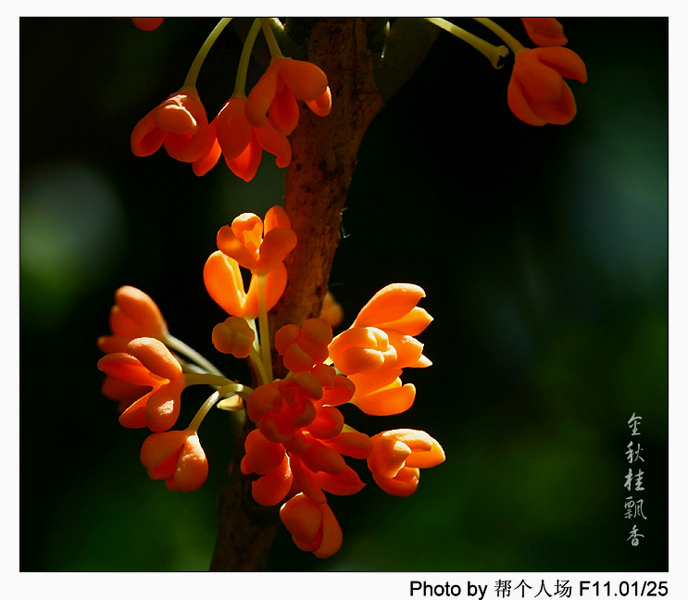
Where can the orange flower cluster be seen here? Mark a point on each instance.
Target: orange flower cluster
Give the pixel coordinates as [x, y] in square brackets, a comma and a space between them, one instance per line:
[147, 380]
[297, 453]
[537, 93]
[244, 126]
[258, 246]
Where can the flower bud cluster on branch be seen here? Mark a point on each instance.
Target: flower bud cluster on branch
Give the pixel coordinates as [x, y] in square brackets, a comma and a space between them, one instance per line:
[297, 452]
[247, 125]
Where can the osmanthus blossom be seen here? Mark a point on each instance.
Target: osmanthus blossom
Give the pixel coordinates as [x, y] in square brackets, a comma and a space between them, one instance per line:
[234, 336]
[258, 246]
[148, 363]
[179, 123]
[177, 457]
[133, 315]
[377, 347]
[544, 31]
[297, 454]
[537, 93]
[244, 126]
[225, 285]
[275, 95]
[397, 456]
[312, 525]
[147, 23]
[240, 143]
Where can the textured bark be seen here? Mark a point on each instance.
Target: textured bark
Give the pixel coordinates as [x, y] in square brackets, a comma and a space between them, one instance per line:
[246, 530]
[324, 157]
[317, 182]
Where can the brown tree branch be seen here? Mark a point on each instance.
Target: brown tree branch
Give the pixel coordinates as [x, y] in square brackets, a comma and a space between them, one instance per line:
[317, 182]
[324, 157]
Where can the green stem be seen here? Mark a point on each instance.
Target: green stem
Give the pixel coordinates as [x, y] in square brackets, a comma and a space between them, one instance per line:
[178, 346]
[192, 75]
[503, 34]
[240, 83]
[491, 52]
[264, 326]
[207, 379]
[257, 362]
[275, 51]
[236, 388]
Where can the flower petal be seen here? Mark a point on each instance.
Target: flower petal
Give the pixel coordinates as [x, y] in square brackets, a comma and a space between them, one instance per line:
[544, 31]
[156, 357]
[520, 106]
[322, 105]
[392, 302]
[192, 467]
[274, 142]
[284, 111]
[306, 80]
[233, 130]
[271, 489]
[146, 137]
[565, 61]
[261, 96]
[332, 534]
[225, 285]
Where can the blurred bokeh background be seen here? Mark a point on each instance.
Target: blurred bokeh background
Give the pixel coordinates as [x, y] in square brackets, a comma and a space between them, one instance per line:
[543, 253]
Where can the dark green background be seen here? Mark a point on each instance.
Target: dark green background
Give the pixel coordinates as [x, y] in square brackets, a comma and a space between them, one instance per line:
[543, 253]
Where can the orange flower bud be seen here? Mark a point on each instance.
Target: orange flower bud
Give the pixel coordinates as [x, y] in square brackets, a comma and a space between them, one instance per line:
[177, 457]
[319, 457]
[134, 315]
[283, 407]
[124, 393]
[262, 455]
[147, 23]
[272, 488]
[397, 456]
[225, 284]
[409, 350]
[322, 105]
[391, 307]
[362, 350]
[312, 525]
[390, 399]
[393, 310]
[257, 246]
[328, 422]
[304, 347]
[537, 93]
[404, 483]
[148, 363]
[302, 517]
[544, 31]
[305, 480]
[241, 144]
[268, 459]
[234, 336]
[345, 483]
[180, 123]
[337, 389]
[284, 82]
[350, 443]
[331, 311]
